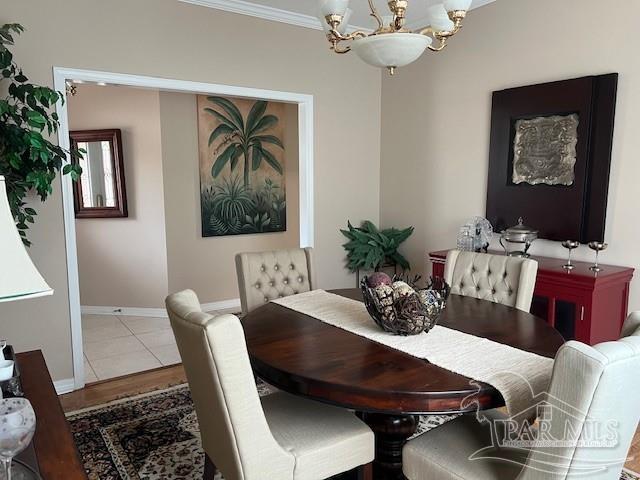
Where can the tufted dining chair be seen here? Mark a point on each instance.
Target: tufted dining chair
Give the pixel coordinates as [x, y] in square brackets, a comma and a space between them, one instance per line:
[265, 276]
[593, 389]
[279, 436]
[497, 278]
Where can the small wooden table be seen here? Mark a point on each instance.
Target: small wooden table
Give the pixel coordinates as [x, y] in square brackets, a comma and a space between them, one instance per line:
[55, 449]
[388, 388]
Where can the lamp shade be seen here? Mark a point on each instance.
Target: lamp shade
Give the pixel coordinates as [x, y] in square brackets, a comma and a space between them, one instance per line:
[19, 278]
[439, 18]
[344, 24]
[391, 49]
[333, 7]
[453, 5]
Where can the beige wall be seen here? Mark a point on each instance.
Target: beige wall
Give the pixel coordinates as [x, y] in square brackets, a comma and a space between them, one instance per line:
[122, 262]
[206, 265]
[170, 39]
[436, 117]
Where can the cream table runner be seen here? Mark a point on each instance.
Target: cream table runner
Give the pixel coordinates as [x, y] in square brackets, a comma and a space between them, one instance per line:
[518, 375]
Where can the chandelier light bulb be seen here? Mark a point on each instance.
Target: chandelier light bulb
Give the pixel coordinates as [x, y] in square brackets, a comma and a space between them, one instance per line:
[333, 7]
[457, 5]
[344, 24]
[439, 18]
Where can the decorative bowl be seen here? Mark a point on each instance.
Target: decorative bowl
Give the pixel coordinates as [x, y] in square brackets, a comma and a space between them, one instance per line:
[406, 314]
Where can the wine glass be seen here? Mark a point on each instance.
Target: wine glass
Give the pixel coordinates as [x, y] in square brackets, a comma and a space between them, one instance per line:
[17, 426]
[569, 245]
[597, 247]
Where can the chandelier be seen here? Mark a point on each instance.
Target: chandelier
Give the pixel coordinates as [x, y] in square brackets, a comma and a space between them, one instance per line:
[391, 44]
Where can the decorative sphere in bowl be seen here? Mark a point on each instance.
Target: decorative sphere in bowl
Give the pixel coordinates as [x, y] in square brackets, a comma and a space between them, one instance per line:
[401, 290]
[378, 278]
[402, 310]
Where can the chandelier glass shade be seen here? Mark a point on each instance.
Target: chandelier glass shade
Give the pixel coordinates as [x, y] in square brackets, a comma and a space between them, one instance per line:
[391, 44]
[395, 50]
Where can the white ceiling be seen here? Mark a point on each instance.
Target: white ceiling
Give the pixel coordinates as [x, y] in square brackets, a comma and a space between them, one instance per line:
[303, 12]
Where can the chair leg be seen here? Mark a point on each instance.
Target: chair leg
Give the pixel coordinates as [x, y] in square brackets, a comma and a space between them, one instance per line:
[365, 472]
[209, 468]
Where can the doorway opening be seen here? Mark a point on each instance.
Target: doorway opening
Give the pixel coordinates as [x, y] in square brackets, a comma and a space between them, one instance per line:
[120, 267]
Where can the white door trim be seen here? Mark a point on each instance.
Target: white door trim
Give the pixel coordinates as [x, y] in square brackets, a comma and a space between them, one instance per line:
[306, 143]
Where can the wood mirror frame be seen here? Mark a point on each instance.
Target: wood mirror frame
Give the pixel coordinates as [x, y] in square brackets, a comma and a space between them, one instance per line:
[119, 210]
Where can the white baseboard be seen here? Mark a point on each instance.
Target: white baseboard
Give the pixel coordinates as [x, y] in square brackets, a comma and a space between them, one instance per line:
[223, 306]
[126, 311]
[64, 386]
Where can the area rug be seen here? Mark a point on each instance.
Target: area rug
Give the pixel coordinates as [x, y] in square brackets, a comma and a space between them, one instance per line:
[155, 436]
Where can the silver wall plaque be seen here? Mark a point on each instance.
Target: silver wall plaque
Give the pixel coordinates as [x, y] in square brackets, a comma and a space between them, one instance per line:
[544, 150]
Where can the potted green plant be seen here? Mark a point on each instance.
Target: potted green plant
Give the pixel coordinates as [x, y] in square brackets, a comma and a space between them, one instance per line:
[369, 248]
[28, 160]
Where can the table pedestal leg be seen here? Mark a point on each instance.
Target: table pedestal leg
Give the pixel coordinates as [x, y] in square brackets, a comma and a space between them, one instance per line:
[391, 432]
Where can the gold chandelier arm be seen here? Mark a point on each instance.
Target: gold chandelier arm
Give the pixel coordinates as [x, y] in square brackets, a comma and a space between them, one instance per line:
[352, 36]
[374, 13]
[441, 46]
[340, 51]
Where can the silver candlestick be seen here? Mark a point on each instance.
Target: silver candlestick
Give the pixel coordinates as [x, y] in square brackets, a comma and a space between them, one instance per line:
[597, 247]
[570, 245]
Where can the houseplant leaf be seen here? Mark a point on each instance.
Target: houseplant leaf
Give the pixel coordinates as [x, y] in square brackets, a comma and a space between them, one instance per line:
[369, 247]
[27, 159]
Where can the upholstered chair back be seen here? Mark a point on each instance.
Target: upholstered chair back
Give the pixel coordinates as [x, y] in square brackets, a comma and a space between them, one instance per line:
[593, 390]
[234, 430]
[631, 324]
[498, 278]
[265, 276]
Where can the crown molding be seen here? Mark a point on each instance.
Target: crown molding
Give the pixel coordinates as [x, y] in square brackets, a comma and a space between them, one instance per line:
[266, 13]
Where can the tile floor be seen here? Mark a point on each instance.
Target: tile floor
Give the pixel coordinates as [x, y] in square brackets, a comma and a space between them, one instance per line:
[121, 345]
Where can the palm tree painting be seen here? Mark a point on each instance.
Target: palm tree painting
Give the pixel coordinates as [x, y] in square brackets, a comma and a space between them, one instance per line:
[242, 166]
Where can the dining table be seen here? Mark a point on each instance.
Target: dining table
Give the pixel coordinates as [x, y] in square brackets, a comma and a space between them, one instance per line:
[387, 388]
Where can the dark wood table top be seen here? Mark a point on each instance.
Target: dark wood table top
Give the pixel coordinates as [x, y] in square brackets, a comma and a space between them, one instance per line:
[53, 442]
[304, 356]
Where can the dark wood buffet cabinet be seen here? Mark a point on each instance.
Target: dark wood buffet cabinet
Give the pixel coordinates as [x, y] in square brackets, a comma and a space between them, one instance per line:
[581, 304]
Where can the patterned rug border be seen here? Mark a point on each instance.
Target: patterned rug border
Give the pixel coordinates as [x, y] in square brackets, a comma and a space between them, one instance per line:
[127, 399]
[162, 391]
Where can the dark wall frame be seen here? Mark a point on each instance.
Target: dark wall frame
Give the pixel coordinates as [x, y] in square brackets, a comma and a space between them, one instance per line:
[114, 137]
[576, 212]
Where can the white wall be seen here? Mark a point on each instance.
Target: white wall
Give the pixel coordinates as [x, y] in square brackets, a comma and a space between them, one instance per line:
[122, 262]
[437, 112]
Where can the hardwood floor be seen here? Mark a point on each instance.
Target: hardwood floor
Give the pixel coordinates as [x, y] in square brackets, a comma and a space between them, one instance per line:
[109, 390]
[127, 386]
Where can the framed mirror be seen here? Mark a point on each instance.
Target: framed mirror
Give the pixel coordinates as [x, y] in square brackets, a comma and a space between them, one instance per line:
[100, 192]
